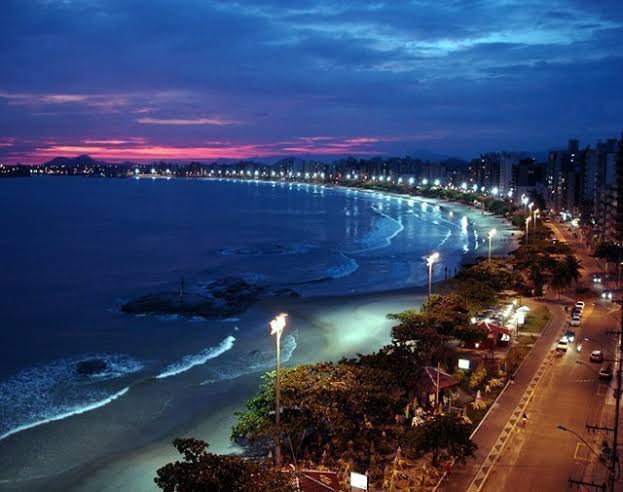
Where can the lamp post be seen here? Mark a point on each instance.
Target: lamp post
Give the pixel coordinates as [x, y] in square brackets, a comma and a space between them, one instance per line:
[491, 234]
[528, 219]
[276, 328]
[430, 261]
[565, 429]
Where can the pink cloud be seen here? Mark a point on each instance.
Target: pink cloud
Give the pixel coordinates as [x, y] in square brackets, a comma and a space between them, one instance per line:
[141, 149]
[187, 121]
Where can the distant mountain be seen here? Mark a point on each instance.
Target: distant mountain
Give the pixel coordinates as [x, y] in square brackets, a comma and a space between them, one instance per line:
[81, 160]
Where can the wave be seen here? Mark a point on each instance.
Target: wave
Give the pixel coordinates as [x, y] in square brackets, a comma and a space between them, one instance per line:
[257, 360]
[344, 270]
[190, 361]
[56, 390]
[382, 235]
[68, 413]
[269, 250]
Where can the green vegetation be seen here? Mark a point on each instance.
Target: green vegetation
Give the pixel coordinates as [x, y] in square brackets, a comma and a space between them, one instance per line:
[203, 471]
[444, 437]
[323, 404]
[536, 320]
[610, 252]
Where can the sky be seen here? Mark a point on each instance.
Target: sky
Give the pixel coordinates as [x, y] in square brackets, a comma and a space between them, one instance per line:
[199, 79]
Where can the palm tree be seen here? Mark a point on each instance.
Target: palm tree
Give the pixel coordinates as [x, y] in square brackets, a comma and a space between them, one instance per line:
[573, 266]
[561, 279]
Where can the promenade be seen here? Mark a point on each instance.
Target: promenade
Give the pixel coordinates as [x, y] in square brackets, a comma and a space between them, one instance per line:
[551, 390]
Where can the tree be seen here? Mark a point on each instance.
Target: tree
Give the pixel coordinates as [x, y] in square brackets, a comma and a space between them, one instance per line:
[321, 403]
[495, 273]
[444, 435]
[609, 252]
[572, 266]
[201, 471]
[560, 279]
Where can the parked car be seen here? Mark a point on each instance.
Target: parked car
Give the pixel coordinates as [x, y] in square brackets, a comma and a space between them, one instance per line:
[606, 371]
[576, 312]
[580, 305]
[596, 279]
[575, 321]
[606, 294]
[568, 336]
[562, 346]
[596, 356]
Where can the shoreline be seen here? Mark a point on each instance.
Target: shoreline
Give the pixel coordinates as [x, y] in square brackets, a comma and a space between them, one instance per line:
[333, 331]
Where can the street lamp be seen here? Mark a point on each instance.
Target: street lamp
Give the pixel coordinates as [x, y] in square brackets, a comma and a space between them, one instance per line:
[528, 219]
[430, 261]
[490, 234]
[564, 429]
[277, 326]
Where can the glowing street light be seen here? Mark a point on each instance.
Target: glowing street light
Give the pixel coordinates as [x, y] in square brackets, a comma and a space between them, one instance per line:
[528, 219]
[430, 261]
[490, 235]
[425, 181]
[277, 326]
[437, 182]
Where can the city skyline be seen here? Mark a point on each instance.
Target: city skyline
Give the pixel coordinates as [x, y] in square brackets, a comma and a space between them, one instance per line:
[157, 80]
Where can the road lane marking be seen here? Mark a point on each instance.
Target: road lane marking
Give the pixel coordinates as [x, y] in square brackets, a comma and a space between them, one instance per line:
[512, 423]
[580, 447]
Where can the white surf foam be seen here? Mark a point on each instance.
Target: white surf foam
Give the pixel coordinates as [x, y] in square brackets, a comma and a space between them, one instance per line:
[256, 361]
[66, 414]
[383, 234]
[190, 361]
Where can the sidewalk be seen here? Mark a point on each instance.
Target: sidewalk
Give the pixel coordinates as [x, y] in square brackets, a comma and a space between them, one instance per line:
[487, 434]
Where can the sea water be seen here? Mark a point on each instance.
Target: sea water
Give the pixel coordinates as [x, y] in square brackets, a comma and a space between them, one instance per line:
[73, 250]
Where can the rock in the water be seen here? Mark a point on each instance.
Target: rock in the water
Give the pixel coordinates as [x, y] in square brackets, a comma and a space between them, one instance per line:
[226, 297]
[90, 367]
[286, 292]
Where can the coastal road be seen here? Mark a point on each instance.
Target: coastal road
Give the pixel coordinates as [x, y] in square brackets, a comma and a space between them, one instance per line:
[486, 435]
[539, 456]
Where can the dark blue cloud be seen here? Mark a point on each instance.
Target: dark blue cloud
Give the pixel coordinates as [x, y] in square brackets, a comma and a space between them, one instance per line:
[457, 77]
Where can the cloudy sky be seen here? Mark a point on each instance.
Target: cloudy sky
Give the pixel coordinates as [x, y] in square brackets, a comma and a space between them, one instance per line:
[185, 79]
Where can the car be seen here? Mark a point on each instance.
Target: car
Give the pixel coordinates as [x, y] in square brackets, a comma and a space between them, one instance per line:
[576, 312]
[568, 336]
[596, 356]
[606, 294]
[580, 304]
[562, 346]
[596, 279]
[606, 371]
[575, 321]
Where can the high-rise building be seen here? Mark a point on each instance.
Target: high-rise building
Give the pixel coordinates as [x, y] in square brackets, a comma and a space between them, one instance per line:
[565, 178]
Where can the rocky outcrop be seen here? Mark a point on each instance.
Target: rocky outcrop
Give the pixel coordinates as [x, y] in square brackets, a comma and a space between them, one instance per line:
[224, 298]
[90, 367]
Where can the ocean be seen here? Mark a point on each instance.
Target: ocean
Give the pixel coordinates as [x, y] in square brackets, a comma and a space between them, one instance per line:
[74, 250]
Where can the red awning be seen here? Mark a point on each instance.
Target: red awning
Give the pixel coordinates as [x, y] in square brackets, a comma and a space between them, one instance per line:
[428, 379]
[494, 329]
[318, 481]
